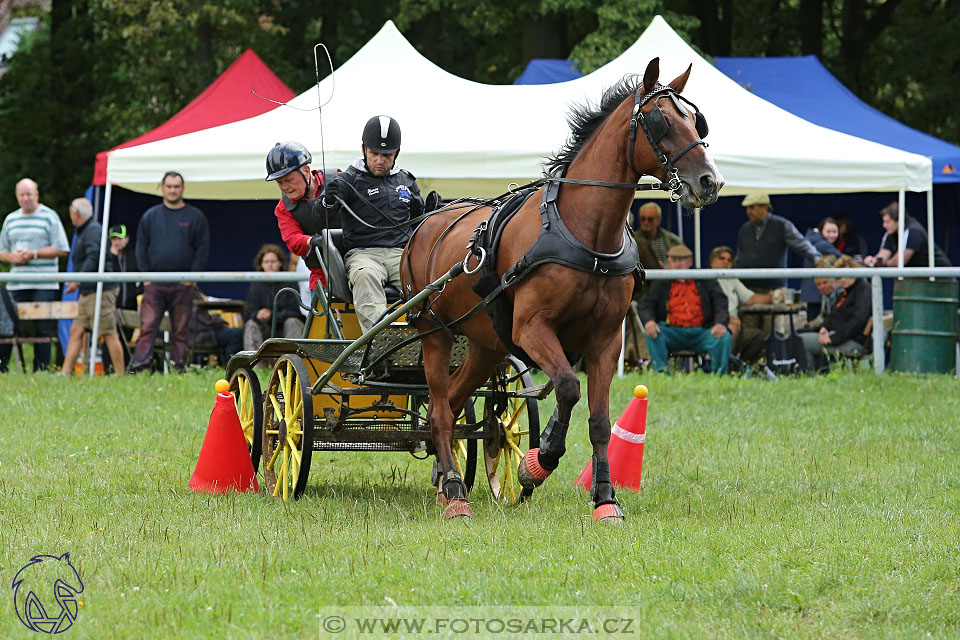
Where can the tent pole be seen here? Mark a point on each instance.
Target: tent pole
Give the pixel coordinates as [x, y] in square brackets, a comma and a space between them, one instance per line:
[104, 243]
[623, 347]
[930, 242]
[696, 238]
[901, 229]
[679, 220]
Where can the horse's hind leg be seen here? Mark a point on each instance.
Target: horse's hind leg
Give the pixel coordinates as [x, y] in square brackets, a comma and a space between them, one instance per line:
[436, 367]
[540, 342]
[600, 370]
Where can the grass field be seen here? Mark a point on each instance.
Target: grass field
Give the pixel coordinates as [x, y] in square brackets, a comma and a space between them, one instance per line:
[807, 508]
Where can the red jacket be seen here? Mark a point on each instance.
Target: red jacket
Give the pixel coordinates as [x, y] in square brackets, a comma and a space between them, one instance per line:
[294, 237]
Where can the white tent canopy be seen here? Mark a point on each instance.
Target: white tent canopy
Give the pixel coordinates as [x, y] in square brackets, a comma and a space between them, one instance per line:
[466, 138]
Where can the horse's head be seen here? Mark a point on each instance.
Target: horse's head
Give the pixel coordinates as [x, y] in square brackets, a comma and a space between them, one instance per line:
[674, 130]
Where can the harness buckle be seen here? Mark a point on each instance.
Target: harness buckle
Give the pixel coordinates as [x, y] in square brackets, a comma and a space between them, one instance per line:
[482, 257]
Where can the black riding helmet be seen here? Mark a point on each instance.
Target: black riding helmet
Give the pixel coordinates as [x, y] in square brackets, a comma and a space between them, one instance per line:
[286, 157]
[382, 134]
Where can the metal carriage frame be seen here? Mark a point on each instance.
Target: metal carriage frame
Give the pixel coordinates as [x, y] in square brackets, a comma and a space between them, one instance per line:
[327, 392]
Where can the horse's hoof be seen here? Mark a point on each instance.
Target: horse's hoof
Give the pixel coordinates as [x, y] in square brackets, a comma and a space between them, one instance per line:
[529, 473]
[457, 508]
[608, 514]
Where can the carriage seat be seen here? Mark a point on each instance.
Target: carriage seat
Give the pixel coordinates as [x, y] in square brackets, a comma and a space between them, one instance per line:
[337, 271]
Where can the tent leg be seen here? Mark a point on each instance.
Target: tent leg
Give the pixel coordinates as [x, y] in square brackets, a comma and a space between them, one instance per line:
[104, 244]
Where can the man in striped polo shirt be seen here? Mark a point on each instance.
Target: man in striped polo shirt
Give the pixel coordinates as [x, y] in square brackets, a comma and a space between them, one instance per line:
[31, 240]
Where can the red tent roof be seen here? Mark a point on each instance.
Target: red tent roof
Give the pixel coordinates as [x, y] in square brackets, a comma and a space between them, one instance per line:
[227, 100]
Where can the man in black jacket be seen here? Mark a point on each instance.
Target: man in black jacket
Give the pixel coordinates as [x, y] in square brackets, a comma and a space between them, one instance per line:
[86, 259]
[763, 241]
[686, 314]
[382, 198]
[172, 236]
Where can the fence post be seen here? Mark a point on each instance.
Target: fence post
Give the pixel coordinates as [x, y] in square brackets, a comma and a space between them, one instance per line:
[876, 286]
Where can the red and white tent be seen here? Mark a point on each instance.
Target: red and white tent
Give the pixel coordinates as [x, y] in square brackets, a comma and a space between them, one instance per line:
[227, 100]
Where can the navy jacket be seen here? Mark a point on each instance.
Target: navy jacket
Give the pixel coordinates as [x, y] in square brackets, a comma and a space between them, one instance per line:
[808, 290]
[381, 203]
[261, 296]
[173, 239]
[716, 310]
[86, 255]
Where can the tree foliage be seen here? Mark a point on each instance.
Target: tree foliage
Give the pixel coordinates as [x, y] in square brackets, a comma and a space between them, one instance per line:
[99, 72]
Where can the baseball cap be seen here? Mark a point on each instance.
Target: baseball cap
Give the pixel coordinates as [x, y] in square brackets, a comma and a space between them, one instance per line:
[679, 251]
[118, 231]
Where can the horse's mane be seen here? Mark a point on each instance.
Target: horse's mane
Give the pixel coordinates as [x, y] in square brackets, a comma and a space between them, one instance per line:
[584, 120]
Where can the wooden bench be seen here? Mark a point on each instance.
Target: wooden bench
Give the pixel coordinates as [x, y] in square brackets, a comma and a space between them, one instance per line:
[32, 311]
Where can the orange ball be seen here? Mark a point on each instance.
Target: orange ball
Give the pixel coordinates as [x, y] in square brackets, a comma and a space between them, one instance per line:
[640, 391]
[222, 386]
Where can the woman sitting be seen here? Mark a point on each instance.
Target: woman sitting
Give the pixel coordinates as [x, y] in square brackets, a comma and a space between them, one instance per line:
[823, 237]
[842, 329]
[258, 310]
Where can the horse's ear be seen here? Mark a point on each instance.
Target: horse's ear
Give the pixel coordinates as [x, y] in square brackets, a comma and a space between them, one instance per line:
[681, 81]
[651, 75]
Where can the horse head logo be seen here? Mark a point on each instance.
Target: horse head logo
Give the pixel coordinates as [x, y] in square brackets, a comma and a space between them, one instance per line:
[45, 593]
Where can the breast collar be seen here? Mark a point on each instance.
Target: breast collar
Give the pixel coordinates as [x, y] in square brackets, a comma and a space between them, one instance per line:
[556, 244]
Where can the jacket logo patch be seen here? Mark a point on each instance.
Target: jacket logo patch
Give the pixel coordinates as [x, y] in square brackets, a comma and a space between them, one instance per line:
[403, 193]
[374, 191]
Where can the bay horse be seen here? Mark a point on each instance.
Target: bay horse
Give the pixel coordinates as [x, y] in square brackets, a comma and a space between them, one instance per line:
[555, 304]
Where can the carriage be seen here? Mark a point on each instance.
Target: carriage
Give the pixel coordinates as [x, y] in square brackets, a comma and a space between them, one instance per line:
[555, 267]
[338, 390]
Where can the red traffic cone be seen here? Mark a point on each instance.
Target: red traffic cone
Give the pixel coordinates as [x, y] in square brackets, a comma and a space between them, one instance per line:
[224, 463]
[625, 451]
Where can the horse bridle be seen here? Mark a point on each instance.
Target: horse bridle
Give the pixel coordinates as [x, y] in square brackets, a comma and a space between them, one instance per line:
[655, 127]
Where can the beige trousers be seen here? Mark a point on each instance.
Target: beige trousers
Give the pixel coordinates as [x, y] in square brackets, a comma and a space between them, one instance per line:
[368, 270]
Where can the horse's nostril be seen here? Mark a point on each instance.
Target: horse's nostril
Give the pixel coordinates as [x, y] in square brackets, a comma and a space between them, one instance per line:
[708, 184]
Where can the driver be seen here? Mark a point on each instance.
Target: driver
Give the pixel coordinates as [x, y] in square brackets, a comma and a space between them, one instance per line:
[382, 197]
[299, 214]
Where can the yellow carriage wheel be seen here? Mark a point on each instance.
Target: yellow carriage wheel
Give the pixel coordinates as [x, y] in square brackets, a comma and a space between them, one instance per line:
[245, 387]
[515, 429]
[287, 429]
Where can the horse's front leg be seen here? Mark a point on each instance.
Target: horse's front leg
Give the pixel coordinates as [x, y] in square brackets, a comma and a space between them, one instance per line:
[540, 342]
[600, 369]
[436, 368]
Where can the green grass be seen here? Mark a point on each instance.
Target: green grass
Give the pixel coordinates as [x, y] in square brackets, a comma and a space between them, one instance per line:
[806, 508]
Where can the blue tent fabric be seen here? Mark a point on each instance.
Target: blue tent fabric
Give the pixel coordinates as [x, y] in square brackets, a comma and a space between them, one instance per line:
[547, 71]
[804, 87]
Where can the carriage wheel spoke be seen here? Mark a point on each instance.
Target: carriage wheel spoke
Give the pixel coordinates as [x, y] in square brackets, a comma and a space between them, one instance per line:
[273, 459]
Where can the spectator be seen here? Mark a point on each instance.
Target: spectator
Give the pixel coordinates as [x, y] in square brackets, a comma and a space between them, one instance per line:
[298, 213]
[915, 252]
[258, 310]
[823, 237]
[172, 236]
[31, 240]
[850, 242]
[827, 287]
[86, 259]
[686, 314]
[748, 343]
[842, 329]
[383, 198]
[124, 259]
[763, 241]
[652, 240]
